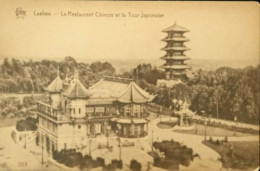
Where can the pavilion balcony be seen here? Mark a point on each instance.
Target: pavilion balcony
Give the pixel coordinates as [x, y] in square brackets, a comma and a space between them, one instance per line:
[175, 57]
[143, 115]
[175, 66]
[51, 112]
[177, 39]
[176, 48]
[101, 114]
[172, 64]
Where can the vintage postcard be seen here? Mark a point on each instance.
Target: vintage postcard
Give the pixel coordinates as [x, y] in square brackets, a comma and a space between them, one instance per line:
[129, 85]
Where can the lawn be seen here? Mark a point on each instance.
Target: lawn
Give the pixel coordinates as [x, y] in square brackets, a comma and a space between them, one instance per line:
[212, 131]
[237, 155]
[166, 125]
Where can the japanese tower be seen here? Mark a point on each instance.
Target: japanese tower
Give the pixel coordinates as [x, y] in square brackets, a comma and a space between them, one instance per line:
[175, 66]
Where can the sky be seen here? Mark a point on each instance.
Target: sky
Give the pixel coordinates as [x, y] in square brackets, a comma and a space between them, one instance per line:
[227, 32]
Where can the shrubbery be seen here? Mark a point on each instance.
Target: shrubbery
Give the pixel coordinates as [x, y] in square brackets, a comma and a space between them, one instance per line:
[135, 165]
[217, 141]
[115, 164]
[175, 154]
[29, 124]
[71, 158]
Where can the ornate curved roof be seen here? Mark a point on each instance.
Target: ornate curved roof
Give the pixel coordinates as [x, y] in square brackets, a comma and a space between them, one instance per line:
[55, 86]
[176, 57]
[175, 67]
[134, 94]
[178, 48]
[177, 39]
[110, 86]
[176, 28]
[77, 90]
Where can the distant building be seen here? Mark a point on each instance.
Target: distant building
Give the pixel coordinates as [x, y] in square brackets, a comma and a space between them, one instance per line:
[174, 66]
[113, 106]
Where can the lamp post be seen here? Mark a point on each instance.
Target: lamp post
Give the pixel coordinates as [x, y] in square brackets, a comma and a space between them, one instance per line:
[217, 101]
[152, 142]
[42, 154]
[205, 130]
[107, 138]
[196, 124]
[119, 145]
[25, 139]
[90, 147]
[235, 120]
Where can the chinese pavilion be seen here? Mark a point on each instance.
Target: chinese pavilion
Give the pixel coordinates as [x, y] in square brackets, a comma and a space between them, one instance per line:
[72, 115]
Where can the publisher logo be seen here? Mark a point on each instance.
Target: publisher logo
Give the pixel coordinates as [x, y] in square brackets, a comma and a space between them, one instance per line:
[20, 13]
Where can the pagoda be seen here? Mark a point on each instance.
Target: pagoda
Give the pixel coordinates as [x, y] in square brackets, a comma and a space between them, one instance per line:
[175, 66]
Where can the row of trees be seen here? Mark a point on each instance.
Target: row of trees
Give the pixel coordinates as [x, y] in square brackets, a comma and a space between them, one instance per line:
[71, 158]
[20, 76]
[224, 93]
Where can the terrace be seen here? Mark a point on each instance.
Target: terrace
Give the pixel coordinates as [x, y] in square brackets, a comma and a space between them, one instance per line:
[46, 109]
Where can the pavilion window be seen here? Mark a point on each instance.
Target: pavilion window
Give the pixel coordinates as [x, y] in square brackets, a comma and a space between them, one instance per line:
[73, 111]
[136, 130]
[99, 109]
[121, 110]
[127, 109]
[89, 110]
[142, 109]
[136, 111]
[142, 128]
[127, 130]
[108, 110]
[79, 110]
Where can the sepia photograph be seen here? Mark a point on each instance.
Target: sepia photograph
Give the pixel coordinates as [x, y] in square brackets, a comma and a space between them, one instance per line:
[129, 85]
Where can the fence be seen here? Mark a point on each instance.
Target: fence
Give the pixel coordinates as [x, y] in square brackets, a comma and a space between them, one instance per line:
[159, 109]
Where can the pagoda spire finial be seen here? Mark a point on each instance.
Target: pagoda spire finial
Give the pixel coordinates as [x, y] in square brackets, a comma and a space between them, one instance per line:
[175, 22]
[76, 74]
[58, 71]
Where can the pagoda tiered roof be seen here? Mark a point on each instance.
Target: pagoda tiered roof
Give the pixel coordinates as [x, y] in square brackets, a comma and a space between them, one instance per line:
[77, 90]
[175, 57]
[178, 48]
[55, 86]
[175, 67]
[175, 28]
[177, 39]
[134, 94]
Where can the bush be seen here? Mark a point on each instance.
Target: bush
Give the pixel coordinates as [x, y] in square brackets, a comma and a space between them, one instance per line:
[29, 124]
[109, 167]
[117, 163]
[100, 162]
[226, 139]
[210, 139]
[174, 153]
[217, 142]
[135, 165]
